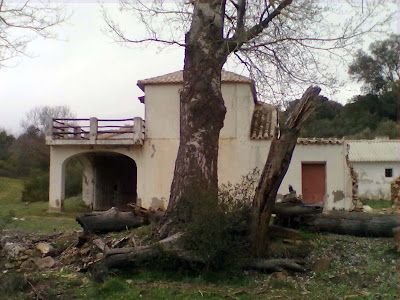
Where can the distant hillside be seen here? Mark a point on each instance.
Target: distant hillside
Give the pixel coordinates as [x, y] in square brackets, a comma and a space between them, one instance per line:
[10, 190]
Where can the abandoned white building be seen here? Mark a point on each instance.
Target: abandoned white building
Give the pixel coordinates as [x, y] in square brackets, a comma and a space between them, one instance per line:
[135, 163]
[377, 163]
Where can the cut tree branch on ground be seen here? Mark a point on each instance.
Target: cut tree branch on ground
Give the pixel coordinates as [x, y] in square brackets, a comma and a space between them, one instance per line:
[353, 223]
[110, 220]
[122, 257]
[276, 166]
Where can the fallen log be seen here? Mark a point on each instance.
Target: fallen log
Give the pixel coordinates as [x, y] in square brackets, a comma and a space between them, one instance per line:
[353, 223]
[290, 209]
[133, 256]
[275, 265]
[110, 220]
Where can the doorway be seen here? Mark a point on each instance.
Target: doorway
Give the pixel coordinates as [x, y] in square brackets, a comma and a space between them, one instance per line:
[313, 178]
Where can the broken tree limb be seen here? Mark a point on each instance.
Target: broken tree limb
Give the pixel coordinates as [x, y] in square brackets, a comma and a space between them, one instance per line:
[275, 265]
[354, 223]
[289, 209]
[276, 166]
[123, 257]
[110, 220]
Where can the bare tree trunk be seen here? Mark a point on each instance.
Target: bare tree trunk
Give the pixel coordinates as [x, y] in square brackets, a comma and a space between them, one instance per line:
[275, 168]
[202, 113]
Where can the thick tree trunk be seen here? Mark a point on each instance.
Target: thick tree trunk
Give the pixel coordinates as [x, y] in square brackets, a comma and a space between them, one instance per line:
[202, 114]
[354, 223]
[276, 166]
[110, 220]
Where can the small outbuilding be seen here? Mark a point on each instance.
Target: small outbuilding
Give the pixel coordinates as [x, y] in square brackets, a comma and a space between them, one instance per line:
[377, 163]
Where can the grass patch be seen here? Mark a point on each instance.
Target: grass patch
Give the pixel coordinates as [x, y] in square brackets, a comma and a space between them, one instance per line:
[10, 190]
[377, 204]
[35, 216]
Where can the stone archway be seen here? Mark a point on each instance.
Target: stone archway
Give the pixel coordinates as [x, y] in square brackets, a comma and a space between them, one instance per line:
[109, 179]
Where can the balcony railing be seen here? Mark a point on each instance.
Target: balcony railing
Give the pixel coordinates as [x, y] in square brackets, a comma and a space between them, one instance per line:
[96, 131]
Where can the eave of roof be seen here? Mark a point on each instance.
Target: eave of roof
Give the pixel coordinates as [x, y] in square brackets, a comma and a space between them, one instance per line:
[320, 141]
[177, 78]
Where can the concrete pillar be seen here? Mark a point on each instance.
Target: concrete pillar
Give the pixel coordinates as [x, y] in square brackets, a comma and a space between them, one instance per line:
[49, 129]
[138, 130]
[88, 184]
[93, 129]
[56, 182]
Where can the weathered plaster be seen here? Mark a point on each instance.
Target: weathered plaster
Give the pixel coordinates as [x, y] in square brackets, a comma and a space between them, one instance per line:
[238, 154]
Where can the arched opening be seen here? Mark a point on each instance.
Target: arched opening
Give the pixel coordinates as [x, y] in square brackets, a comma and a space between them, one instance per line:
[108, 179]
[115, 180]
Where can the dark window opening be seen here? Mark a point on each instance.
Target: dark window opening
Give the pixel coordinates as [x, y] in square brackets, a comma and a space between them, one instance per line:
[388, 172]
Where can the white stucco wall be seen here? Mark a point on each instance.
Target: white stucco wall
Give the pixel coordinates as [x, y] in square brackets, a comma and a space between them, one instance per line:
[338, 189]
[60, 155]
[162, 138]
[240, 158]
[372, 183]
[239, 155]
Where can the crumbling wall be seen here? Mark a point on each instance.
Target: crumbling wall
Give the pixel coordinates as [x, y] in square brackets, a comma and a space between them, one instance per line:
[395, 193]
[357, 205]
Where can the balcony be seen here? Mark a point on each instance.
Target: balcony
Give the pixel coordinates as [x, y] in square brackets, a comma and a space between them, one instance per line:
[95, 131]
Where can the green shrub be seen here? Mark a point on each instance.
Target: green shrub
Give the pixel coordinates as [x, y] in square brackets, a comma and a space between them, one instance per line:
[6, 219]
[36, 188]
[219, 229]
[14, 283]
[73, 178]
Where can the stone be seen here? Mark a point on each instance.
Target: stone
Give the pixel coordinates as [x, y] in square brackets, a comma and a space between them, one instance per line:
[23, 257]
[367, 208]
[29, 252]
[85, 250]
[45, 263]
[322, 264]
[85, 280]
[281, 276]
[13, 249]
[8, 265]
[29, 264]
[45, 248]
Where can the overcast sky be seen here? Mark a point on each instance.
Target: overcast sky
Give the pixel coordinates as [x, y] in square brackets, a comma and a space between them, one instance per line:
[89, 73]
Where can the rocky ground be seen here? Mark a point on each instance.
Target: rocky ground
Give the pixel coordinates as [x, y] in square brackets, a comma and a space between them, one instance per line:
[47, 266]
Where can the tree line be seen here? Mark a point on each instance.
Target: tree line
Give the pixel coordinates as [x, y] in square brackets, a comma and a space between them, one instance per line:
[27, 156]
[365, 116]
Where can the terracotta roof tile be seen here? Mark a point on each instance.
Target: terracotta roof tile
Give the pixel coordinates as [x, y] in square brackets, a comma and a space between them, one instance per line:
[177, 77]
[319, 141]
[264, 121]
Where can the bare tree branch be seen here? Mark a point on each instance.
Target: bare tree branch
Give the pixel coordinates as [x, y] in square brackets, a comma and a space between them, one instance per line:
[20, 23]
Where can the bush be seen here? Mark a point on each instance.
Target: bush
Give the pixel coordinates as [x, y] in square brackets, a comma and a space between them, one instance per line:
[14, 283]
[219, 230]
[36, 188]
[73, 178]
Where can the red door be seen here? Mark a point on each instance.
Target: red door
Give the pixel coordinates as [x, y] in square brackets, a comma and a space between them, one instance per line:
[313, 178]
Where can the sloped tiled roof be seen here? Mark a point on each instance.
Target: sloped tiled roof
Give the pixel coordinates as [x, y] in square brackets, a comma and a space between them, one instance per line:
[319, 141]
[264, 121]
[374, 150]
[177, 77]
